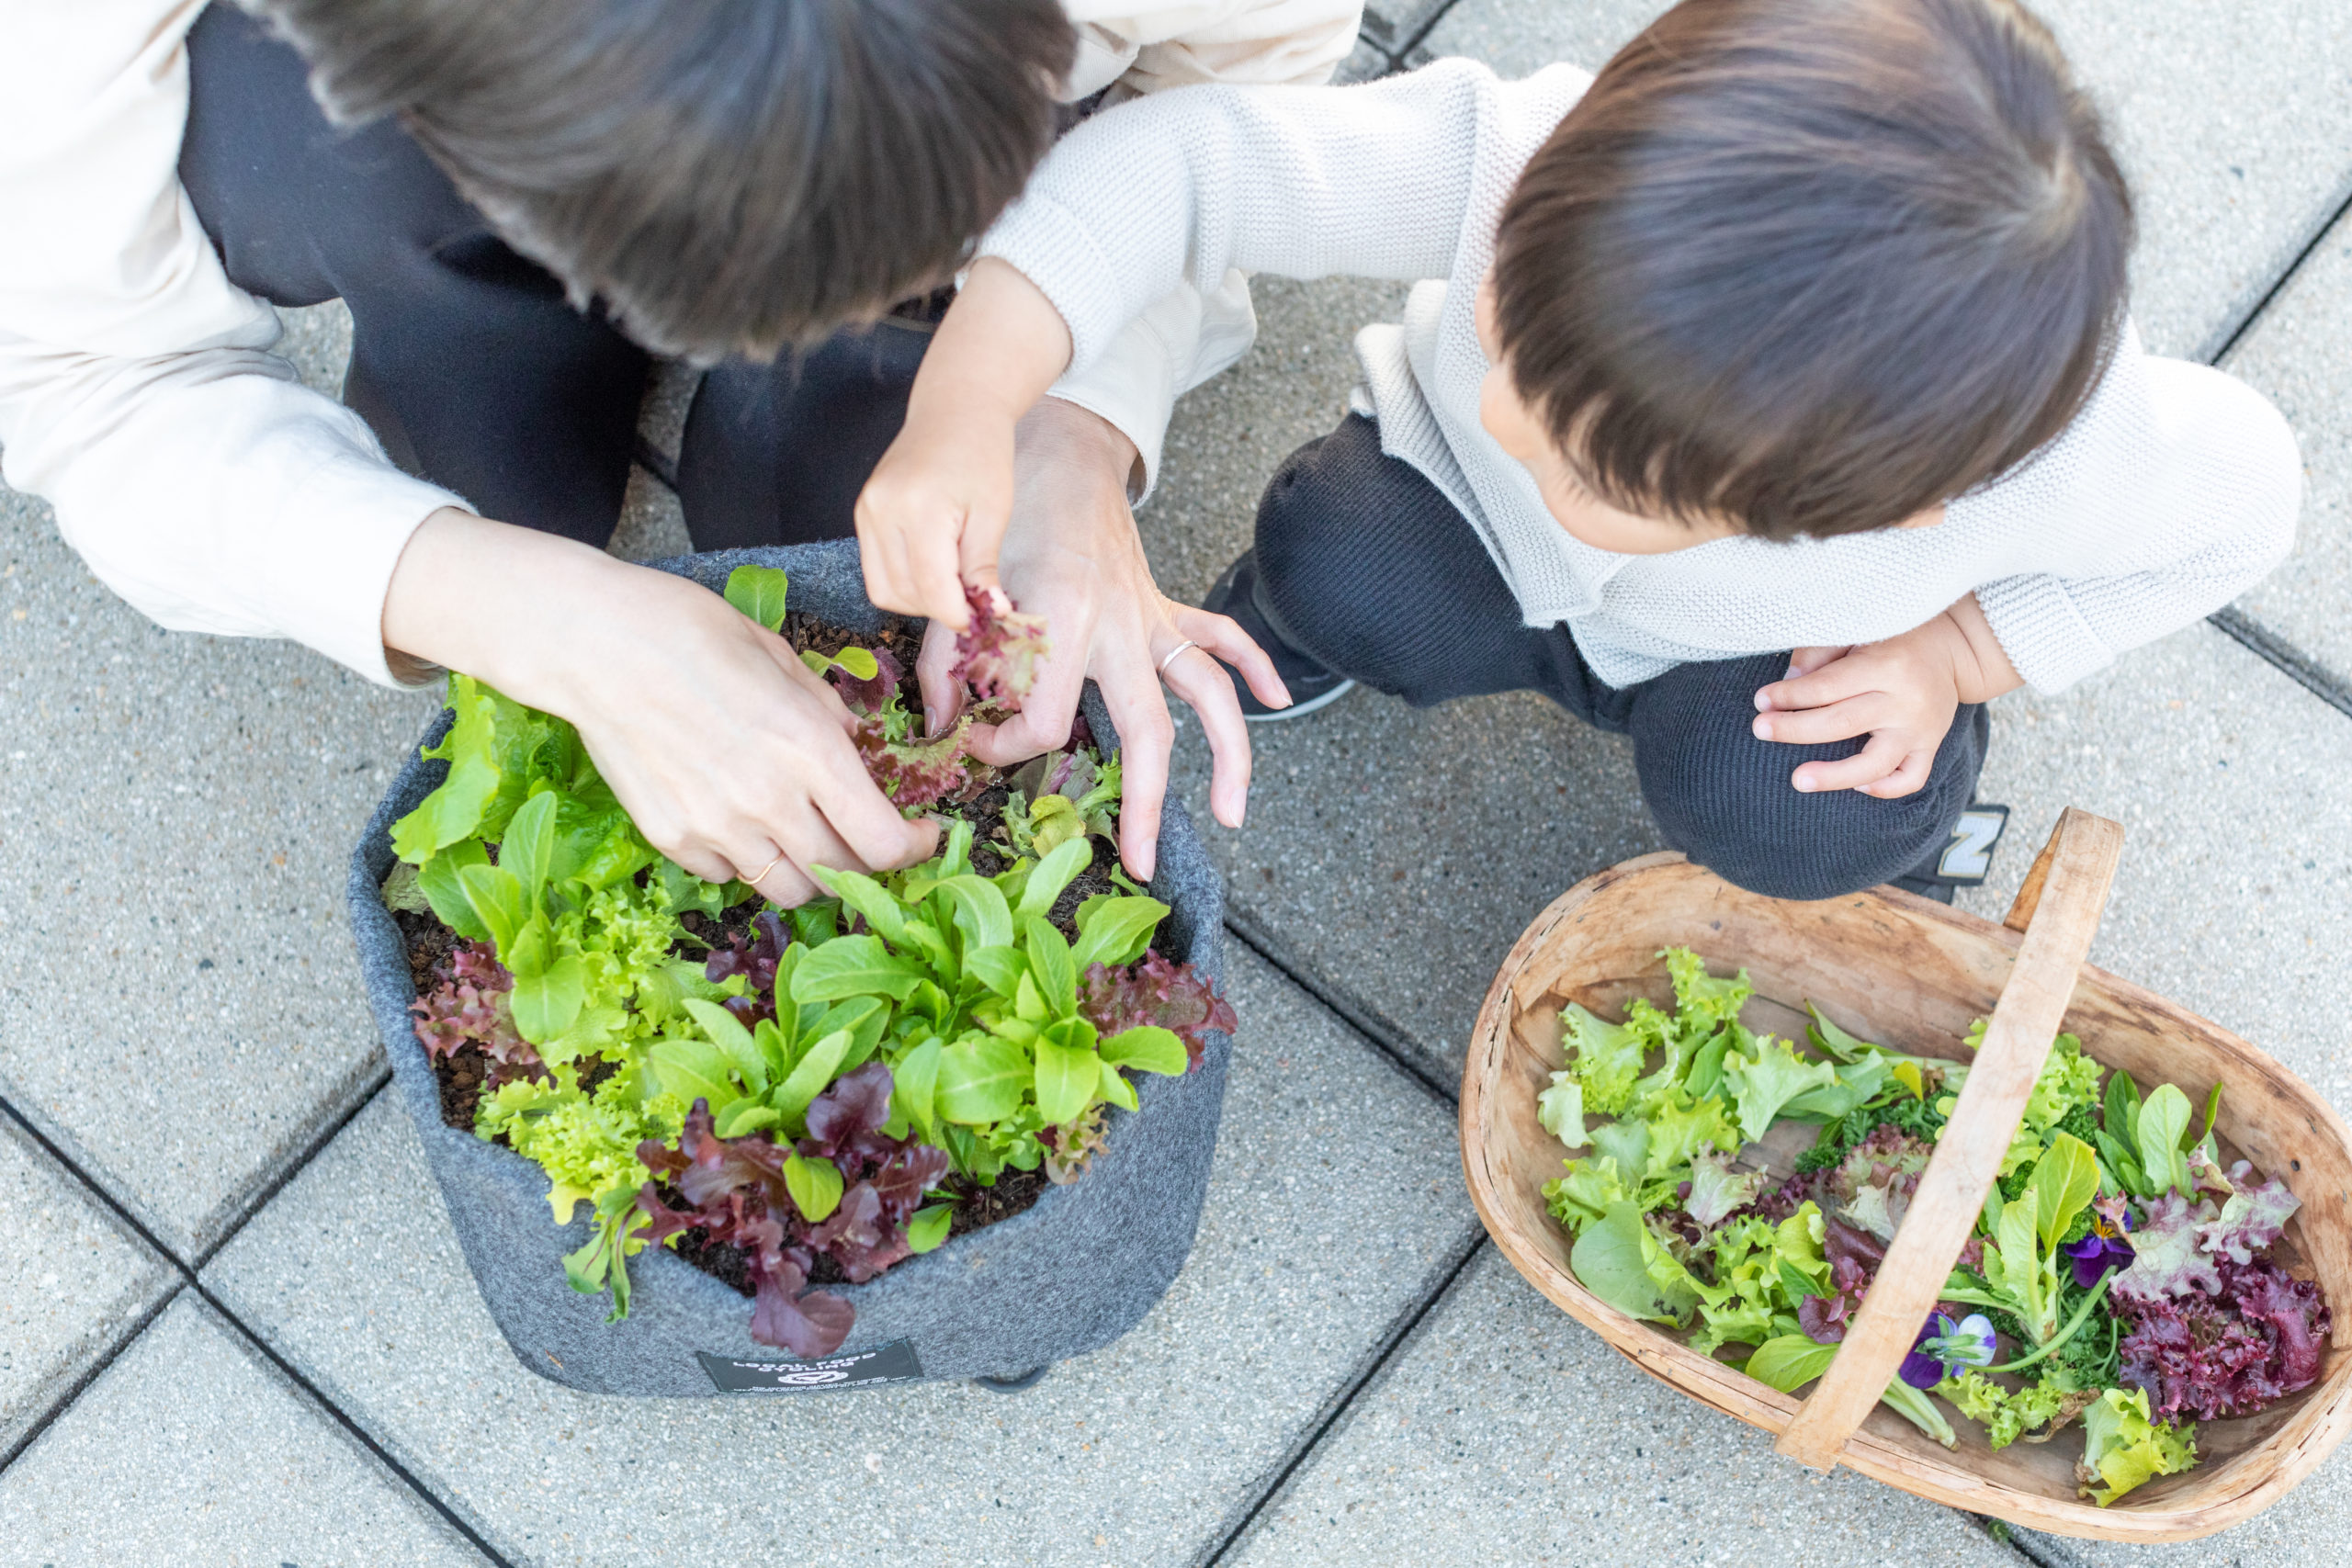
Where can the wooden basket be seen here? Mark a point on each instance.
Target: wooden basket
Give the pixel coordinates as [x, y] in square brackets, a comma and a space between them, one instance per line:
[1913, 974]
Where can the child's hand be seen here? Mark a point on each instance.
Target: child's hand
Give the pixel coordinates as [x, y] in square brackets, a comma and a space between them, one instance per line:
[1901, 693]
[934, 514]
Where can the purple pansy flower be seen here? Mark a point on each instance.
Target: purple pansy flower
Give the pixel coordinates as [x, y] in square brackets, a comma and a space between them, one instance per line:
[2103, 1249]
[2095, 1255]
[1944, 1345]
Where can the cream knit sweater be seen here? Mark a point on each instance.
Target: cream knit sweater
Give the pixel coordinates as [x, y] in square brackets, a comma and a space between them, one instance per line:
[2174, 490]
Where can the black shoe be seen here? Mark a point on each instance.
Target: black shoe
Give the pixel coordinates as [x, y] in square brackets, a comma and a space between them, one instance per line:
[1966, 862]
[1311, 686]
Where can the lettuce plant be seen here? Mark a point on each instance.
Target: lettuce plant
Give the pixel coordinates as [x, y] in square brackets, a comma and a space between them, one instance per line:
[848, 1190]
[797, 1090]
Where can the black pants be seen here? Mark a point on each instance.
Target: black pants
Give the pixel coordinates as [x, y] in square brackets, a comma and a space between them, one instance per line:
[1366, 566]
[468, 361]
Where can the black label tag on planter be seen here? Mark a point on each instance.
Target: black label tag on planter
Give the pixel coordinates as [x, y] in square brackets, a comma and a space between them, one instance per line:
[894, 1362]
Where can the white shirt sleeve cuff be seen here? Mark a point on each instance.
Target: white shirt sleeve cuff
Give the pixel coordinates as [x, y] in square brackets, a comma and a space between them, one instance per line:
[2049, 643]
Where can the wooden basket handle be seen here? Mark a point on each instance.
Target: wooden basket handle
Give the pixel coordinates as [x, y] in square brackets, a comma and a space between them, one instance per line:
[2058, 908]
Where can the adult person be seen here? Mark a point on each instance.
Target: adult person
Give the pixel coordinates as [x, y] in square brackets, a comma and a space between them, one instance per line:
[536, 192]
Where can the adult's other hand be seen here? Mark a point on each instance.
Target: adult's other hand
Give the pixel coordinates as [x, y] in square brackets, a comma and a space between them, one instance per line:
[1072, 554]
[734, 759]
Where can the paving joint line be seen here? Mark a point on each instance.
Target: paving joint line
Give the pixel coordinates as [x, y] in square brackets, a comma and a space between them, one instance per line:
[1378, 1032]
[189, 1282]
[2285, 656]
[61, 1403]
[2266, 644]
[277, 1181]
[350, 1424]
[656, 462]
[1400, 1330]
[2278, 284]
[2034, 1547]
[1421, 35]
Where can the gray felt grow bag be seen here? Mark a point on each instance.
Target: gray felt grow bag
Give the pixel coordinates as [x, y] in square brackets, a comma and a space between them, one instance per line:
[1069, 1275]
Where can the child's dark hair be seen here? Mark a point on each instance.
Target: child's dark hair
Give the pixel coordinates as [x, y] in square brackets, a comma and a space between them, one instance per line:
[725, 176]
[1815, 266]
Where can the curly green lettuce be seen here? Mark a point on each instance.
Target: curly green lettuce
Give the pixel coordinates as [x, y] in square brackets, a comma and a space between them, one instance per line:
[2123, 1448]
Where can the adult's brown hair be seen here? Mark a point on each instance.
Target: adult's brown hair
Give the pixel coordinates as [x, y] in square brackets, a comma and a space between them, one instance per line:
[1815, 266]
[727, 176]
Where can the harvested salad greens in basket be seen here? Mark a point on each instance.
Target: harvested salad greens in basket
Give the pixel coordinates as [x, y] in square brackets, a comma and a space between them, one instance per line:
[789, 1097]
[2119, 1283]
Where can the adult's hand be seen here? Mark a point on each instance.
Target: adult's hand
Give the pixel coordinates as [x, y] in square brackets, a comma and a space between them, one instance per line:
[734, 759]
[1072, 554]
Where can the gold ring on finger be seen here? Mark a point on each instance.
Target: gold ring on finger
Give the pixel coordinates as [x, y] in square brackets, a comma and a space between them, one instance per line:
[763, 871]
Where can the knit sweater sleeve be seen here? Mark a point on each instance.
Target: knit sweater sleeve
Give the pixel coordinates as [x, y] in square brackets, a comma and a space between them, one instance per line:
[2184, 484]
[1370, 181]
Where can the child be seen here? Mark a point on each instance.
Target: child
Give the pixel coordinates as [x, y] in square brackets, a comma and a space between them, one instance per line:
[1800, 327]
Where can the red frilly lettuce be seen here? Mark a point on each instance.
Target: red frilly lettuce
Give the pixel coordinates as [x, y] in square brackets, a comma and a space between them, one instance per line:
[736, 1193]
[470, 1007]
[1176, 997]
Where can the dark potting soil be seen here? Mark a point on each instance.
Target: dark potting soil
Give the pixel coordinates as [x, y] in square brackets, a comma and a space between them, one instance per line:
[463, 1075]
[428, 941]
[977, 1207]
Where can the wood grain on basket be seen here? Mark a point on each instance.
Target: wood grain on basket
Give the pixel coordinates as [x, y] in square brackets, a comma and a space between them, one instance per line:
[1913, 974]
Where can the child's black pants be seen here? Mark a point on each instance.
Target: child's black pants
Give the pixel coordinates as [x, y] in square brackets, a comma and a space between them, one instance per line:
[1369, 570]
[466, 358]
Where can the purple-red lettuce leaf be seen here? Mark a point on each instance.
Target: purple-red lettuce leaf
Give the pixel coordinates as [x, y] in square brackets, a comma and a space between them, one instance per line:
[2261, 1337]
[999, 652]
[2251, 1219]
[868, 696]
[471, 1007]
[1175, 997]
[2292, 1310]
[2167, 1260]
[912, 771]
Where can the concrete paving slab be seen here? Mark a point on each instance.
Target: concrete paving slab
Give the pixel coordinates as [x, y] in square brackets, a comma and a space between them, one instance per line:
[1365, 62]
[652, 524]
[1519, 38]
[82, 1283]
[317, 340]
[178, 1007]
[2234, 123]
[1392, 25]
[2295, 352]
[190, 1450]
[1336, 1206]
[1512, 1434]
[1396, 854]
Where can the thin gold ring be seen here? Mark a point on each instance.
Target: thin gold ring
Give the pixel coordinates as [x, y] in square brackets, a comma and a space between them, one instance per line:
[1172, 653]
[755, 881]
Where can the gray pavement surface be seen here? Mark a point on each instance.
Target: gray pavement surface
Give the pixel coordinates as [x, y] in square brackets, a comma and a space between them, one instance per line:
[190, 1450]
[178, 1015]
[2299, 356]
[1506, 1432]
[1335, 1208]
[83, 1283]
[176, 811]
